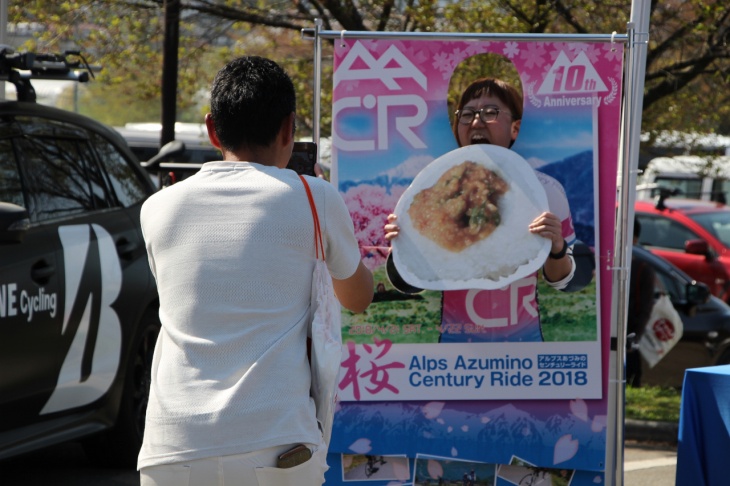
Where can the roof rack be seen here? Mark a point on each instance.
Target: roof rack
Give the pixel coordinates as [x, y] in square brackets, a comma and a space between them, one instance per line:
[21, 68]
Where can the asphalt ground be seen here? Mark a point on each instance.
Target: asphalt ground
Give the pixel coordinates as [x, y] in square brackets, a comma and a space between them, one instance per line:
[649, 464]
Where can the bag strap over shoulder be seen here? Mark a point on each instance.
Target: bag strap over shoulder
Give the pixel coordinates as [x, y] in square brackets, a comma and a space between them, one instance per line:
[318, 242]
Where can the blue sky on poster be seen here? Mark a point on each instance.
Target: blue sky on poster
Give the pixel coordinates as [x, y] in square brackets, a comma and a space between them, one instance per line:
[546, 135]
[400, 159]
[552, 135]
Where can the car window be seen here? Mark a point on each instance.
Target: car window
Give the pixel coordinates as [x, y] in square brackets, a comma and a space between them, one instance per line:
[663, 232]
[192, 154]
[59, 166]
[10, 186]
[667, 280]
[690, 187]
[144, 153]
[716, 223]
[720, 190]
[671, 285]
[126, 182]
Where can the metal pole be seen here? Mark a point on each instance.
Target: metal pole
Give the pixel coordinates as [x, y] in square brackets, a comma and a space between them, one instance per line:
[465, 36]
[614, 432]
[317, 108]
[3, 35]
[169, 70]
[3, 22]
[632, 107]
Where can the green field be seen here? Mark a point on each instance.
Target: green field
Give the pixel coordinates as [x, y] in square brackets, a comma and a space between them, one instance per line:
[402, 318]
[396, 316]
[661, 404]
[568, 316]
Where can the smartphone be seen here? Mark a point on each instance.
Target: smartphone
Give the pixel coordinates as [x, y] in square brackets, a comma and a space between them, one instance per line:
[303, 158]
[293, 457]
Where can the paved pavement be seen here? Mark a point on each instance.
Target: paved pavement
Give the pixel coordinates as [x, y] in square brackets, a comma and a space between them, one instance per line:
[647, 464]
[650, 453]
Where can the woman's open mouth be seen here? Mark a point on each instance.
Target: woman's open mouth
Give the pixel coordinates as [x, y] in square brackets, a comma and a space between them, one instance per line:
[478, 138]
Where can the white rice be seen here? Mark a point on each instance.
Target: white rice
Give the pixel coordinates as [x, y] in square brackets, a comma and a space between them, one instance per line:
[511, 252]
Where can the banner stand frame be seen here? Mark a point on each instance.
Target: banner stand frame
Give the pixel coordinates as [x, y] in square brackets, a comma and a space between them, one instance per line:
[636, 40]
[628, 168]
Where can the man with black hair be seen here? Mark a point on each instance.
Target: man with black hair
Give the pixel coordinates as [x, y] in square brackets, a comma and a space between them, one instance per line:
[232, 251]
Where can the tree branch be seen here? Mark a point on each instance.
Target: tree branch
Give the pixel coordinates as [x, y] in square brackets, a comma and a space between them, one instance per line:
[385, 15]
[346, 14]
[676, 80]
[566, 14]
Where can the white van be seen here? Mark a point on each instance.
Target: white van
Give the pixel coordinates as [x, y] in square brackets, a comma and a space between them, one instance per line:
[693, 176]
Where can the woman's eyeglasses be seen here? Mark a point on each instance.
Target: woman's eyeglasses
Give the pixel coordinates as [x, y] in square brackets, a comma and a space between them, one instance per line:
[488, 114]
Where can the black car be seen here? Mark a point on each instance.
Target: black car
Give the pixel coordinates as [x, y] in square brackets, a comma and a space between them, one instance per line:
[78, 304]
[706, 322]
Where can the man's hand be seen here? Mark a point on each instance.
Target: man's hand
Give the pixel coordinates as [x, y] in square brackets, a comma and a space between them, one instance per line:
[319, 172]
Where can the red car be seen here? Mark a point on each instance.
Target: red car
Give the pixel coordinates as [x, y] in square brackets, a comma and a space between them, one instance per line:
[694, 235]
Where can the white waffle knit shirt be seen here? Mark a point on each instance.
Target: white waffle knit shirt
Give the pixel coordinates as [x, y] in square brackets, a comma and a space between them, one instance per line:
[232, 251]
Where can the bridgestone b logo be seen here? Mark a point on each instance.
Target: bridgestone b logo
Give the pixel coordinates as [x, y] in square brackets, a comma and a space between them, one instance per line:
[91, 329]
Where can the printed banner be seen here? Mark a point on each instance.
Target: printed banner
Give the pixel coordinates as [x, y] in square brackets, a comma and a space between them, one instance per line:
[443, 371]
[499, 379]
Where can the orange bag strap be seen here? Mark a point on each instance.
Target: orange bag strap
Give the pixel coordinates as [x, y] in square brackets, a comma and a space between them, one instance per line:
[318, 243]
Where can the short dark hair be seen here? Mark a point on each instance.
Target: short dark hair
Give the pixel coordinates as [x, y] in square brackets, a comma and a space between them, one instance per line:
[250, 98]
[507, 93]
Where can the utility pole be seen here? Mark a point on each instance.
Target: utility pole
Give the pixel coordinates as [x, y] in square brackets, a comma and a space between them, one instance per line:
[3, 35]
[169, 70]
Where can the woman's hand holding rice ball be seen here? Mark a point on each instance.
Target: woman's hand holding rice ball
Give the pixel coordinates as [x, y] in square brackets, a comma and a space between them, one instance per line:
[391, 229]
[548, 226]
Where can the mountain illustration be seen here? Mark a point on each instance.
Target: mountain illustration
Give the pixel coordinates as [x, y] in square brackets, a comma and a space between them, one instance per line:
[575, 173]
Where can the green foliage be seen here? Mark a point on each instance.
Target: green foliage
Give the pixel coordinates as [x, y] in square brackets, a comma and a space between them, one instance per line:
[480, 66]
[568, 316]
[687, 66]
[106, 104]
[114, 105]
[653, 403]
[479, 16]
[126, 43]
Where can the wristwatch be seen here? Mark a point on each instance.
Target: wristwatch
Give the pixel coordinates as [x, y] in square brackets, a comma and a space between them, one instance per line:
[561, 253]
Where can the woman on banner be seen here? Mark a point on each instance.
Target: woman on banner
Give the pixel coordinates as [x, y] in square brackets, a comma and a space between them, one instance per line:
[490, 112]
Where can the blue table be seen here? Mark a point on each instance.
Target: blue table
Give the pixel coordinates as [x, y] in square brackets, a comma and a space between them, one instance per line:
[703, 453]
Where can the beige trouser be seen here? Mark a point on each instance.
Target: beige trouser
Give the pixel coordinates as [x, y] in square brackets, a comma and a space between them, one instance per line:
[250, 469]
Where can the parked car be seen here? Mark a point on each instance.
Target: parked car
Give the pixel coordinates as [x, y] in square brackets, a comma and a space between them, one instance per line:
[144, 141]
[694, 235]
[705, 318]
[177, 160]
[78, 304]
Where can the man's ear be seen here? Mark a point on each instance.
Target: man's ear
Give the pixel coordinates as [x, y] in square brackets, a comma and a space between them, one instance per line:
[212, 136]
[287, 129]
